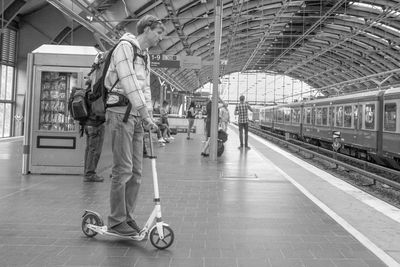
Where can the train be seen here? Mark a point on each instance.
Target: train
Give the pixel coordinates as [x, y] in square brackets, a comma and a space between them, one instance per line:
[364, 125]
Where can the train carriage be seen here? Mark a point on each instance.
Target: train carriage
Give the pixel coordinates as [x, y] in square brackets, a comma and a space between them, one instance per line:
[391, 124]
[368, 123]
[354, 117]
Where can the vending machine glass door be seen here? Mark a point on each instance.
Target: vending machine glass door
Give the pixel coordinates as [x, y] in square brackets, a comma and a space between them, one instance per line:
[54, 94]
[57, 146]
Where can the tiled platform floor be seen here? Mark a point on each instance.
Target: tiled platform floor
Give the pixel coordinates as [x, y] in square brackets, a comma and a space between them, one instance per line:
[237, 212]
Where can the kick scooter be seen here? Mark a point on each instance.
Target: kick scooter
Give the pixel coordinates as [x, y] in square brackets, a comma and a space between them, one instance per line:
[160, 234]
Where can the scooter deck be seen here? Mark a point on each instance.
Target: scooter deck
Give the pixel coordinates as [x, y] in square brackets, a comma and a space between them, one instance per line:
[103, 230]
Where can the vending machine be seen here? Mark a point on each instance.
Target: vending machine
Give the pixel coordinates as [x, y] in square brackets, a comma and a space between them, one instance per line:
[52, 142]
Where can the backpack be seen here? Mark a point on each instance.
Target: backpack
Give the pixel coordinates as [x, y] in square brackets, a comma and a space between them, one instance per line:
[77, 104]
[222, 135]
[98, 93]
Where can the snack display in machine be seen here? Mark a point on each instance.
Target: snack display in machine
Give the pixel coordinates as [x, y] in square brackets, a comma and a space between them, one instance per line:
[55, 90]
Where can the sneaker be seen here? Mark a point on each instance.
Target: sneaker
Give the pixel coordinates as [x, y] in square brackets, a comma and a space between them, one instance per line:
[247, 147]
[94, 178]
[161, 140]
[188, 137]
[123, 229]
[134, 225]
[162, 144]
[171, 138]
[240, 147]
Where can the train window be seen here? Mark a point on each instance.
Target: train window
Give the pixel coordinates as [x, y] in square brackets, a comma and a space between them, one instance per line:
[360, 116]
[287, 112]
[348, 116]
[339, 116]
[355, 113]
[319, 116]
[308, 116]
[296, 115]
[370, 116]
[325, 116]
[279, 115]
[389, 123]
[313, 116]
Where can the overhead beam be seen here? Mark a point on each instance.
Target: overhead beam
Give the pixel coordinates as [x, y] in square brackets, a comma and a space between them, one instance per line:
[168, 79]
[97, 17]
[62, 35]
[235, 16]
[179, 30]
[12, 11]
[285, 5]
[341, 41]
[361, 79]
[75, 16]
[319, 22]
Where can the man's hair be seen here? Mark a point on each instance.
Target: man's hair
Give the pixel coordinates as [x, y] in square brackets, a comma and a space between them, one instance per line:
[241, 98]
[149, 21]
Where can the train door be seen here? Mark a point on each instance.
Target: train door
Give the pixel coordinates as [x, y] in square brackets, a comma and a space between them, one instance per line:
[357, 120]
[301, 121]
[331, 116]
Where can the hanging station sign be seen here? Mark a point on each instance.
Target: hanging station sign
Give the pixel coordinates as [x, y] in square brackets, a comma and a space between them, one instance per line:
[174, 61]
[164, 61]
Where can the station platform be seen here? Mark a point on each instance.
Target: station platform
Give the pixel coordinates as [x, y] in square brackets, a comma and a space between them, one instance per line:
[257, 207]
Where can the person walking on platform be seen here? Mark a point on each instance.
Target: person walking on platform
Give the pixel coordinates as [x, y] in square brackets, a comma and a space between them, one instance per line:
[191, 114]
[243, 120]
[224, 117]
[127, 135]
[164, 120]
[94, 131]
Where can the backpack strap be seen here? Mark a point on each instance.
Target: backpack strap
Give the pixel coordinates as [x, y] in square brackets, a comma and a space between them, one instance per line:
[106, 66]
[127, 112]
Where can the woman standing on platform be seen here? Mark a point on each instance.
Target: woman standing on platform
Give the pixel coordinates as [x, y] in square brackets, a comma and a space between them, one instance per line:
[224, 117]
[191, 114]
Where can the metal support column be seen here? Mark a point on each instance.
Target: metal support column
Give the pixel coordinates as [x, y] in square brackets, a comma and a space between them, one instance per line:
[28, 117]
[216, 70]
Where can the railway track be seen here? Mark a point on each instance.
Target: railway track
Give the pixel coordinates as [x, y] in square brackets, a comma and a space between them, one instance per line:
[374, 173]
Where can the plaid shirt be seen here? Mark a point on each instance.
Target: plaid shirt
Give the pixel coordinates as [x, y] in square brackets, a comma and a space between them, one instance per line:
[241, 109]
[134, 81]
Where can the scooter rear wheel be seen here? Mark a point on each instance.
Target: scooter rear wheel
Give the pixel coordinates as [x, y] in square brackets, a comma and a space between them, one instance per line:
[166, 241]
[90, 218]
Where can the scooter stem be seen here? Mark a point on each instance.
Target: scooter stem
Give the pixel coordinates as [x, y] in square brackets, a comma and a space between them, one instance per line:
[154, 170]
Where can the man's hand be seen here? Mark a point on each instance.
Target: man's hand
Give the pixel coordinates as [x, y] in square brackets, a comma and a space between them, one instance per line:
[149, 124]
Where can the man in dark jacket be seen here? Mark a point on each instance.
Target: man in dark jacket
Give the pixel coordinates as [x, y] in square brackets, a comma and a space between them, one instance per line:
[94, 130]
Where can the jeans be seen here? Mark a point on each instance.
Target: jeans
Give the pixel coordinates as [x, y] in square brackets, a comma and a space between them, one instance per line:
[224, 125]
[94, 145]
[126, 174]
[190, 125]
[245, 127]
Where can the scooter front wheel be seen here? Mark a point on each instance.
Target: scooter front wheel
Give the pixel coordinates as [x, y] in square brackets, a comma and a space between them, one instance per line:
[90, 218]
[166, 241]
